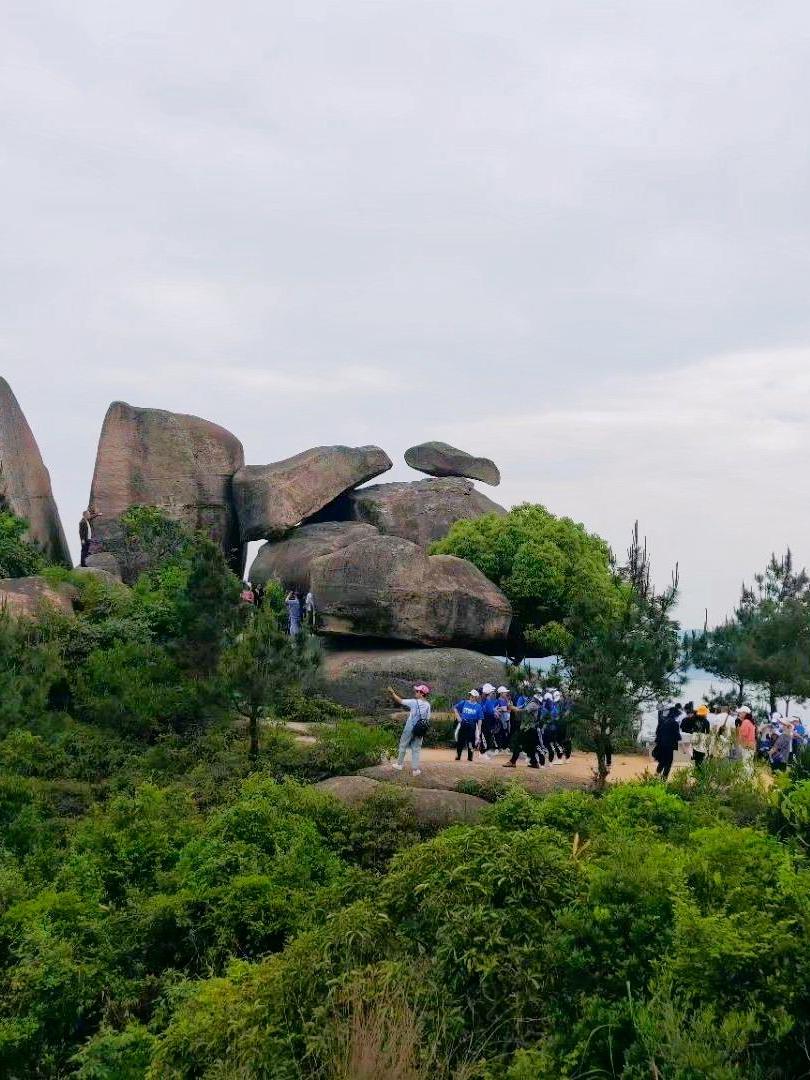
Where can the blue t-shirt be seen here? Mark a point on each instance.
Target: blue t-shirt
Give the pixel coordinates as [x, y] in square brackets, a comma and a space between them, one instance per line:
[470, 712]
[489, 707]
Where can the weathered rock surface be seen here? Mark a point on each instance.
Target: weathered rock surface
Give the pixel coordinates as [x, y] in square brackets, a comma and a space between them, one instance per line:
[289, 560]
[24, 596]
[422, 511]
[104, 562]
[97, 572]
[270, 499]
[386, 587]
[432, 807]
[181, 464]
[25, 484]
[441, 459]
[360, 678]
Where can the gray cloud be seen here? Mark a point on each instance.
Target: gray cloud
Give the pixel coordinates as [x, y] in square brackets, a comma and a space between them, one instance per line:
[555, 231]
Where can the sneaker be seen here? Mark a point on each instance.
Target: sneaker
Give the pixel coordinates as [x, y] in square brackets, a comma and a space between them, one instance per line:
[396, 765]
[417, 772]
[509, 765]
[533, 766]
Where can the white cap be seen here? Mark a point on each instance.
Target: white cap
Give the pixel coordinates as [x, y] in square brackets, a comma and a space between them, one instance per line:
[488, 688]
[473, 693]
[503, 689]
[557, 696]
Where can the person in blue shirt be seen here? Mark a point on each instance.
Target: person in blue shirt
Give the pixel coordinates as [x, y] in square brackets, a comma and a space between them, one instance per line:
[491, 722]
[469, 715]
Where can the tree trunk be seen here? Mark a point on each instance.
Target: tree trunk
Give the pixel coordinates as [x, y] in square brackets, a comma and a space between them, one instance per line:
[772, 697]
[741, 694]
[253, 723]
[602, 743]
[787, 707]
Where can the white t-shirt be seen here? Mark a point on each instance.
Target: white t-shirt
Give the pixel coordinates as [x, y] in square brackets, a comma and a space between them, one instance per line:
[417, 709]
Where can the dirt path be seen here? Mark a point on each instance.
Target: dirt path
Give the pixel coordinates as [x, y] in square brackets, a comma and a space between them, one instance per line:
[441, 770]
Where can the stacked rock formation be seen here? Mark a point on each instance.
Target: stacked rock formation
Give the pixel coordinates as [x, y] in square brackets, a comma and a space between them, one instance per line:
[388, 610]
[25, 484]
[181, 464]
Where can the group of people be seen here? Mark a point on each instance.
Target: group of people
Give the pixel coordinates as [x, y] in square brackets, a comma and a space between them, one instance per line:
[300, 606]
[494, 720]
[730, 734]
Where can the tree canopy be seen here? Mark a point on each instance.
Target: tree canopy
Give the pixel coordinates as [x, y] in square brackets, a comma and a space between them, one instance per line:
[550, 568]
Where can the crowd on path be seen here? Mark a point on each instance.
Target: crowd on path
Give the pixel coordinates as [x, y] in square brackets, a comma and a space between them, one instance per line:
[494, 720]
[725, 734]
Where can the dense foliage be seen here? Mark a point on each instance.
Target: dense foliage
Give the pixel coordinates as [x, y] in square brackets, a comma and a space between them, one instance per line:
[548, 567]
[174, 906]
[18, 557]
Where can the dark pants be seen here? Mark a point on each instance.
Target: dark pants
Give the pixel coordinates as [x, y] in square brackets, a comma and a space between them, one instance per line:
[85, 552]
[465, 738]
[665, 762]
[529, 743]
[698, 757]
[488, 735]
[779, 766]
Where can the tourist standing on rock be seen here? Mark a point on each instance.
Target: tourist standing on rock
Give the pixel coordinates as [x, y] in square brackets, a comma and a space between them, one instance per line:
[415, 726]
[469, 715]
[86, 533]
[667, 738]
[309, 611]
[293, 613]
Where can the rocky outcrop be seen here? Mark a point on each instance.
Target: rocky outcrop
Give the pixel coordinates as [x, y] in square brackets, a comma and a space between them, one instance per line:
[422, 511]
[270, 499]
[181, 464]
[432, 807]
[24, 597]
[360, 678]
[25, 484]
[386, 587]
[104, 562]
[289, 560]
[441, 459]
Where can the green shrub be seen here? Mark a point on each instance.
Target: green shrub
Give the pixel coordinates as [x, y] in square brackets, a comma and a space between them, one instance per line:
[645, 804]
[116, 1055]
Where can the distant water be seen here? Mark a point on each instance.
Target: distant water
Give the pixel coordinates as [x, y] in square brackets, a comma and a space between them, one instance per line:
[700, 685]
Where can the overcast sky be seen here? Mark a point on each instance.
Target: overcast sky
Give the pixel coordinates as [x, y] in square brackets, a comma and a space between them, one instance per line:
[574, 236]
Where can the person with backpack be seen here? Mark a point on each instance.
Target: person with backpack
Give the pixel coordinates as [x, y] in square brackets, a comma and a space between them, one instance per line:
[416, 726]
[469, 715]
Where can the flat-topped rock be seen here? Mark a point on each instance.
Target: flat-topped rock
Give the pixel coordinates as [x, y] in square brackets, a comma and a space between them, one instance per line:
[104, 562]
[386, 587]
[360, 677]
[24, 597]
[25, 484]
[432, 807]
[181, 464]
[289, 560]
[421, 511]
[270, 499]
[441, 459]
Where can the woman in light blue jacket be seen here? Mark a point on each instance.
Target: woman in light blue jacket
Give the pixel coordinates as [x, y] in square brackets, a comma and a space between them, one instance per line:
[418, 714]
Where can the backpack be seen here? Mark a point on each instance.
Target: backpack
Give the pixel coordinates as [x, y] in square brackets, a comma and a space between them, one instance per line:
[422, 725]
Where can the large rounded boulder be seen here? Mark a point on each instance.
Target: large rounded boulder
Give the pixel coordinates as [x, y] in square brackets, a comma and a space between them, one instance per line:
[386, 587]
[432, 807]
[25, 597]
[360, 677]
[441, 459]
[289, 560]
[181, 464]
[270, 499]
[422, 511]
[25, 484]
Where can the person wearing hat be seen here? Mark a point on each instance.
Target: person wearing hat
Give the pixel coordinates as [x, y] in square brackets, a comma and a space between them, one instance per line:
[701, 734]
[415, 726]
[490, 723]
[469, 715]
[528, 738]
[782, 748]
[746, 733]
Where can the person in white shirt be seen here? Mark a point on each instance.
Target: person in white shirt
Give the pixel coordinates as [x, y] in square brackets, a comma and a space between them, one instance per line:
[418, 718]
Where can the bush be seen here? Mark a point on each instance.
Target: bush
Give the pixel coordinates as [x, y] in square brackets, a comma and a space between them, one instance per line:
[646, 804]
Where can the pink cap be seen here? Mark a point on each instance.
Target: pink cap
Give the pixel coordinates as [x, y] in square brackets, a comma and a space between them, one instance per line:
[420, 688]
